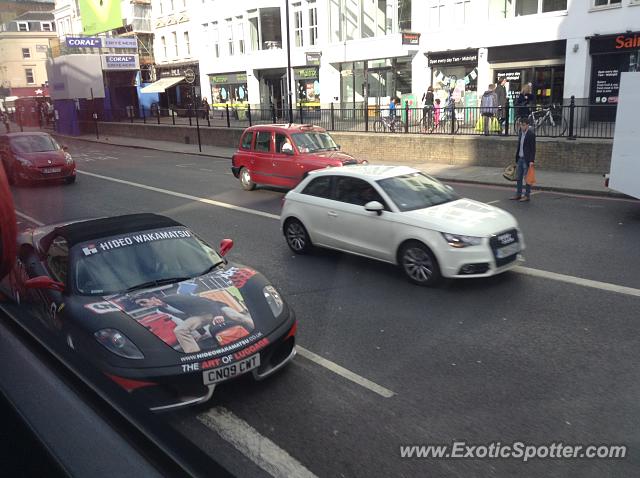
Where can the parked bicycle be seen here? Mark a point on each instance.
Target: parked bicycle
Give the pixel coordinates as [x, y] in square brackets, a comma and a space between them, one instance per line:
[390, 124]
[547, 121]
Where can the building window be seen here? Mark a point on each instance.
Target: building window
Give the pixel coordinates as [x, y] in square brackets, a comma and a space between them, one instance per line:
[186, 43]
[352, 19]
[404, 15]
[297, 24]
[240, 34]
[554, 5]
[313, 23]
[68, 23]
[215, 38]
[436, 13]
[254, 30]
[46, 26]
[462, 11]
[605, 3]
[174, 35]
[265, 31]
[23, 26]
[29, 74]
[26, 53]
[229, 34]
[163, 42]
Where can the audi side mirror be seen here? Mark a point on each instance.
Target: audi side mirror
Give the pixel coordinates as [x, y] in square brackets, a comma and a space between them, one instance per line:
[44, 282]
[374, 206]
[225, 246]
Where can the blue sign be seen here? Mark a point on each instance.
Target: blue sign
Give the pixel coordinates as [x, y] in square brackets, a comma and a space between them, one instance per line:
[76, 42]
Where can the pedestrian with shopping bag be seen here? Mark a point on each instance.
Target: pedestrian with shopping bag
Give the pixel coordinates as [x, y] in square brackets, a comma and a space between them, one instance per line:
[525, 157]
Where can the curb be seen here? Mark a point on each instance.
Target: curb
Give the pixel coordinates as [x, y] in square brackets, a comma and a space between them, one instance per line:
[87, 140]
[586, 192]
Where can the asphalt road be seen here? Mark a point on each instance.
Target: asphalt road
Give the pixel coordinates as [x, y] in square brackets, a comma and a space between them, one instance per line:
[511, 358]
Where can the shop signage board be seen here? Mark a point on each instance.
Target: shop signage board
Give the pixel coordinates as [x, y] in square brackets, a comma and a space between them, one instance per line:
[189, 76]
[120, 62]
[305, 73]
[313, 58]
[229, 78]
[410, 38]
[448, 58]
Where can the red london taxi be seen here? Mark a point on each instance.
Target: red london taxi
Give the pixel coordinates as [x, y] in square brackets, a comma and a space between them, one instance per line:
[283, 154]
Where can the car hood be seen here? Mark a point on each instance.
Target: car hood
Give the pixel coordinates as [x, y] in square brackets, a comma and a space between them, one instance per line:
[44, 158]
[463, 216]
[344, 158]
[216, 310]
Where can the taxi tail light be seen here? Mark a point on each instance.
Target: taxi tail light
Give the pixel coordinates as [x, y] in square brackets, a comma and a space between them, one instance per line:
[130, 384]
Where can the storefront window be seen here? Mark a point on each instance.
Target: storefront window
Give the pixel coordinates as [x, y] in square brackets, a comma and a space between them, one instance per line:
[308, 86]
[228, 89]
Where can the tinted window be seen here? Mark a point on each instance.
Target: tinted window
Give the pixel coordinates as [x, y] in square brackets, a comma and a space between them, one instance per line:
[58, 259]
[320, 187]
[246, 140]
[356, 191]
[263, 141]
[115, 264]
[33, 144]
[280, 140]
[416, 191]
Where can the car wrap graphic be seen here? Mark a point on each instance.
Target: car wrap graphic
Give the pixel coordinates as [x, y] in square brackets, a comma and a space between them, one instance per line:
[199, 314]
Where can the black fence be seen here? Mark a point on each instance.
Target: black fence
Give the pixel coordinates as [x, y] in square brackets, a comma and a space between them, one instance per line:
[570, 121]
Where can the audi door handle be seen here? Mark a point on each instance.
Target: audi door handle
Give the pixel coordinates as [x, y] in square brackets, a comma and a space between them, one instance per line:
[332, 214]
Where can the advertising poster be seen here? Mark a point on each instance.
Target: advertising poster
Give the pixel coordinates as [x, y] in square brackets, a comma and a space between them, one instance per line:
[100, 15]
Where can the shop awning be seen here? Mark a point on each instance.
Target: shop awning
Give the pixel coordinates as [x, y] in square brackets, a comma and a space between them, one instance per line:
[162, 84]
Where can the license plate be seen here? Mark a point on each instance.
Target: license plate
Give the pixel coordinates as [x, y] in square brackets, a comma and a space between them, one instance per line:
[226, 372]
[51, 170]
[507, 251]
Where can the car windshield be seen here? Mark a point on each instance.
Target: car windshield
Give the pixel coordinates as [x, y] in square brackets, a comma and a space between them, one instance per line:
[313, 141]
[119, 263]
[416, 191]
[34, 144]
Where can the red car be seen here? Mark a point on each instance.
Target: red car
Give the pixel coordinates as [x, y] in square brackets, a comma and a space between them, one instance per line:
[283, 154]
[34, 157]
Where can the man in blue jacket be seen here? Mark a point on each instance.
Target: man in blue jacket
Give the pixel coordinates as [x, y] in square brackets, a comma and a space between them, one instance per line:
[525, 157]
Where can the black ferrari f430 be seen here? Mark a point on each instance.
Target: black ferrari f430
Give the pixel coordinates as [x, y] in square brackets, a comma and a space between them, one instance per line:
[152, 306]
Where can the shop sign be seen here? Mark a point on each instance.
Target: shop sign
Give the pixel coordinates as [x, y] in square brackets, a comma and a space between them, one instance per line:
[511, 75]
[229, 78]
[305, 73]
[92, 42]
[168, 72]
[615, 43]
[189, 76]
[409, 38]
[469, 57]
[120, 43]
[313, 58]
[120, 62]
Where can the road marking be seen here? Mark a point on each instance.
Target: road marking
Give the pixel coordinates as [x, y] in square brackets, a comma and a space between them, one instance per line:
[186, 165]
[205, 169]
[343, 372]
[594, 284]
[184, 196]
[248, 441]
[522, 270]
[29, 218]
[493, 202]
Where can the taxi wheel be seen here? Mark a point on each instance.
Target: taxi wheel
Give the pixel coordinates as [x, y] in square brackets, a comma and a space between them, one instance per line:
[297, 237]
[70, 180]
[245, 180]
[419, 264]
[14, 179]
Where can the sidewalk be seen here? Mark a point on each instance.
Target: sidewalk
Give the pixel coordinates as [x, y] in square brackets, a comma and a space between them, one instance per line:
[578, 183]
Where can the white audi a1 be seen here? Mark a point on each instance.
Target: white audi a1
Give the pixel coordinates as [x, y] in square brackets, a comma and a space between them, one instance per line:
[400, 215]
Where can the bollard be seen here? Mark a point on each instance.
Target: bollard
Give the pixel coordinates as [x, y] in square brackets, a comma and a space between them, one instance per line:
[333, 122]
[572, 107]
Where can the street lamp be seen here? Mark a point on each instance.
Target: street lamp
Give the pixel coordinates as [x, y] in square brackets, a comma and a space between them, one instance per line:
[286, 8]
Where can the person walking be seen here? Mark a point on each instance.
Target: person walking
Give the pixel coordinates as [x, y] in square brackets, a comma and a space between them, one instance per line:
[488, 107]
[501, 95]
[205, 108]
[427, 109]
[525, 157]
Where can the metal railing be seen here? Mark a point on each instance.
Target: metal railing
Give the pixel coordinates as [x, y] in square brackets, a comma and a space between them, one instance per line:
[566, 121]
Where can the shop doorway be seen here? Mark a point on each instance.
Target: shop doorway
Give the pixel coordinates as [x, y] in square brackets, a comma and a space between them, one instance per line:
[274, 92]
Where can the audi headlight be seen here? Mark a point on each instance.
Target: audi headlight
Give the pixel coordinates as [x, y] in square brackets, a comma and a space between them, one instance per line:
[67, 158]
[458, 241]
[118, 343]
[274, 300]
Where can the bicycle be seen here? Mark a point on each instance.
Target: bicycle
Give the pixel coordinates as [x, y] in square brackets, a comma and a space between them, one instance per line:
[393, 124]
[544, 119]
